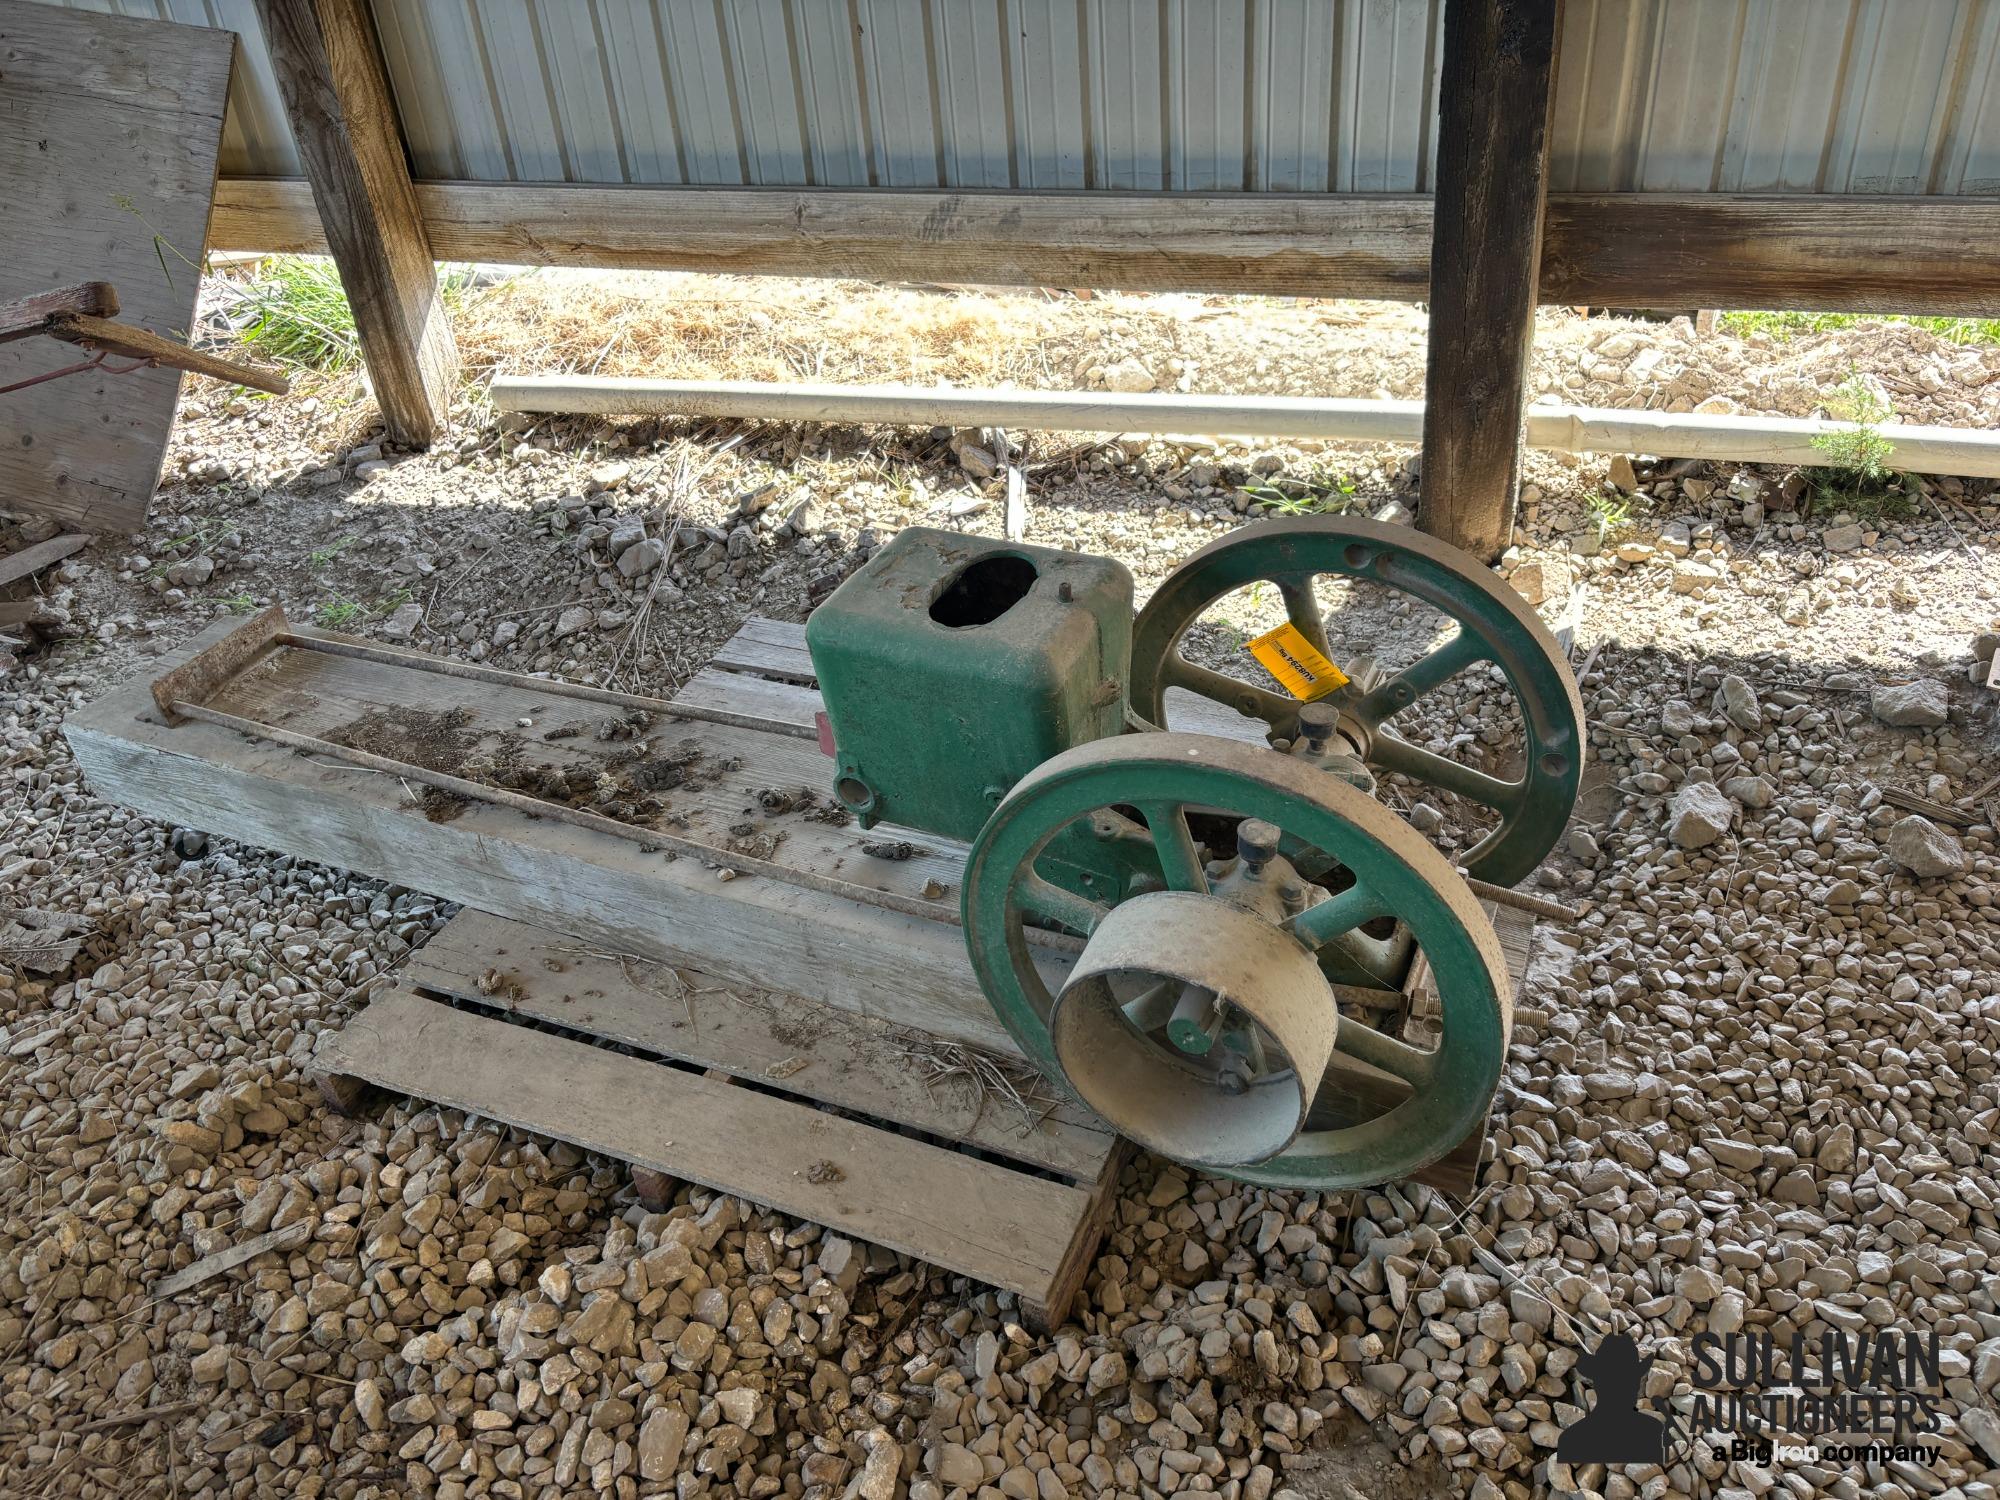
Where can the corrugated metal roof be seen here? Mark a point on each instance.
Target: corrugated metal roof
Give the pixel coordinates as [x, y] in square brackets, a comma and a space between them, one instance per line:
[1827, 96]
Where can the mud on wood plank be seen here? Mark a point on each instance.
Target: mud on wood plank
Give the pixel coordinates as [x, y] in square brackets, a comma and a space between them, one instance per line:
[735, 777]
[990, 1222]
[784, 1042]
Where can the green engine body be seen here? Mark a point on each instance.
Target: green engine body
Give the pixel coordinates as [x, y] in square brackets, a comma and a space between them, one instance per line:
[951, 666]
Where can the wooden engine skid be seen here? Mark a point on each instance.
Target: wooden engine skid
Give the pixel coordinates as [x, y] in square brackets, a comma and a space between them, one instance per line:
[753, 885]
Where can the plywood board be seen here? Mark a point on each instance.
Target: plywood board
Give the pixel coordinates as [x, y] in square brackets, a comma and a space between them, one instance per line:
[109, 129]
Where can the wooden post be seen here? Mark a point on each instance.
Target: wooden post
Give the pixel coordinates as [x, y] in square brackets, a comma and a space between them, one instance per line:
[1496, 88]
[329, 71]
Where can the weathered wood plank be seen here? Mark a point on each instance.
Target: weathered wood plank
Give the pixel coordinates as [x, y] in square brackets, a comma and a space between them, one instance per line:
[30, 316]
[295, 1233]
[1045, 1313]
[1156, 241]
[784, 1041]
[1839, 254]
[990, 1222]
[1865, 253]
[785, 660]
[329, 71]
[17, 565]
[126, 342]
[784, 705]
[1496, 91]
[903, 969]
[109, 130]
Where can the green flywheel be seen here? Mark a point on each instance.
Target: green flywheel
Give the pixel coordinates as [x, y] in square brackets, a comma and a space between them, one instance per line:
[1254, 978]
[1495, 625]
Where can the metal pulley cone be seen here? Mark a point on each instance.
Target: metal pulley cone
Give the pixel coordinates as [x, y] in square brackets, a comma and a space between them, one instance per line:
[1196, 1028]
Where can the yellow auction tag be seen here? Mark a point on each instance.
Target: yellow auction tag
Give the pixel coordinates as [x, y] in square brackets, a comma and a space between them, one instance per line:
[1288, 656]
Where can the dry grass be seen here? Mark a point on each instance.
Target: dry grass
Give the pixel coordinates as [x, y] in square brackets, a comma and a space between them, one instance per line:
[670, 326]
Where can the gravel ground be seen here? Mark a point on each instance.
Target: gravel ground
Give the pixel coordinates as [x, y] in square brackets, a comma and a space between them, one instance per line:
[1753, 1090]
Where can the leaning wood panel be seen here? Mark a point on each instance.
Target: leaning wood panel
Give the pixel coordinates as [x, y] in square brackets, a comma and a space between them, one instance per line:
[1688, 250]
[109, 129]
[981, 1219]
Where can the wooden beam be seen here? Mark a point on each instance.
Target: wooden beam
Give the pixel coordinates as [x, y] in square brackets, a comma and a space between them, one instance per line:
[17, 565]
[30, 316]
[330, 74]
[1807, 252]
[127, 342]
[1684, 250]
[1496, 91]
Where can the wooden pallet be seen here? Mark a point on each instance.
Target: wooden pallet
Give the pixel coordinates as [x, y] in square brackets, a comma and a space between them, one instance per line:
[792, 1104]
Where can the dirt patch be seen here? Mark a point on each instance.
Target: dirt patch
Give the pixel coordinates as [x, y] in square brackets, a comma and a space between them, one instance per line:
[438, 741]
[622, 785]
[503, 986]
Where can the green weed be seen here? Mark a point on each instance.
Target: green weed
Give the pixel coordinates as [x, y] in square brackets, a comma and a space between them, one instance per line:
[1856, 476]
[299, 314]
[340, 614]
[203, 533]
[239, 604]
[320, 557]
[162, 246]
[1327, 491]
[1610, 512]
[1784, 325]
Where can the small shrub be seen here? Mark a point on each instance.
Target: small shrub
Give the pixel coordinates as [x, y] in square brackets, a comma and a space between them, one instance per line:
[1856, 475]
[1859, 454]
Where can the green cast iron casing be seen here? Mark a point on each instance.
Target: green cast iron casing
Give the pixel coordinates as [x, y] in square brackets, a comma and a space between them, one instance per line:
[951, 666]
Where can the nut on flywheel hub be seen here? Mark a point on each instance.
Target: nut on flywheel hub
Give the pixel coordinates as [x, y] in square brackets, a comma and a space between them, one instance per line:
[1196, 1028]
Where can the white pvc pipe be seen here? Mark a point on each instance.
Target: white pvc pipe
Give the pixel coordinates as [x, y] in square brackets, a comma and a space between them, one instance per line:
[1775, 440]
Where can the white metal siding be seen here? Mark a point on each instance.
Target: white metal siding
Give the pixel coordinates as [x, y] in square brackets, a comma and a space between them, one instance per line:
[1740, 96]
